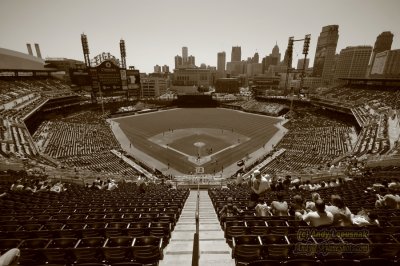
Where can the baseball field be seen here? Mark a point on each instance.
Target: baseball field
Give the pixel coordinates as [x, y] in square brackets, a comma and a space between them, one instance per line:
[209, 139]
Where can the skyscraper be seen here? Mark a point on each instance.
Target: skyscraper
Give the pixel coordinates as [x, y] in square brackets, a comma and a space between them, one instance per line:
[300, 63]
[236, 55]
[383, 43]
[276, 53]
[157, 69]
[269, 61]
[178, 61]
[221, 62]
[353, 62]
[191, 61]
[184, 55]
[256, 58]
[165, 69]
[325, 52]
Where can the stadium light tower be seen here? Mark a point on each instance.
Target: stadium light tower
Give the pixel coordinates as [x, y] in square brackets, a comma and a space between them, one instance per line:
[305, 52]
[289, 63]
[85, 47]
[123, 53]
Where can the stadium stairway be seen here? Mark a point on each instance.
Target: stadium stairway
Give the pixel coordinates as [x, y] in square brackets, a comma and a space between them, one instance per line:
[213, 248]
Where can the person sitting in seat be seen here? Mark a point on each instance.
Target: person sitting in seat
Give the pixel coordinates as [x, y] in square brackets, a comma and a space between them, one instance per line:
[310, 205]
[365, 218]
[262, 208]
[229, 210]
[10, 257]
[320, 217]
[341, 214]
[279, 207]
[389, 201]
[297, 207]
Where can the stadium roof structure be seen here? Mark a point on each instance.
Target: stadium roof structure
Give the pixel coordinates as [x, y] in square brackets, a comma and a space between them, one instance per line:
[10, 59]
[373, 81]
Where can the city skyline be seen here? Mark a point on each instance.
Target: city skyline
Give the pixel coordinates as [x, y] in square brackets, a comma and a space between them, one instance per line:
[155, 32]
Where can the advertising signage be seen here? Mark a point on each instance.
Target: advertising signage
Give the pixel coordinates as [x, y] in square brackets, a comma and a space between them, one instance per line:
[111, 78]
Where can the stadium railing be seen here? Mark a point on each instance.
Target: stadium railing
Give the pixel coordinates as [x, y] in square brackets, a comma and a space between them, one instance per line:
[196, 240]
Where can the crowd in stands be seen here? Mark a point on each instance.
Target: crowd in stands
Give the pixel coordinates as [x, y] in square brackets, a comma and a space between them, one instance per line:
[253, 106]
[352, 96]
[82, 141]
[283, 215]
[45, 222]
[312, 141]
[18, 98]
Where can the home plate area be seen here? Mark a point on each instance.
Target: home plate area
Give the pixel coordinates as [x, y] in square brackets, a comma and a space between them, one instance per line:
[199, 145]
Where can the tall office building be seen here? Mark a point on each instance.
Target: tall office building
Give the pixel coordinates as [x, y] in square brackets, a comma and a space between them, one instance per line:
[276, 53]
[184, 55]
[221, 62]
[165, 69]
[383, 43]
[256, 58]
[269, 61]
[325, 52]
[353, 62]
[191, 61]
[157, 69]
[178, 61]
[300, 63]
[286, 59]
[236, 55]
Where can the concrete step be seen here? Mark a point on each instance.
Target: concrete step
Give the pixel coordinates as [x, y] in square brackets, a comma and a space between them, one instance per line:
[213, 247]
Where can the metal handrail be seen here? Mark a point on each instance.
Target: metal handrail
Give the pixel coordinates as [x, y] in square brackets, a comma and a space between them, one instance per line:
[196, 239]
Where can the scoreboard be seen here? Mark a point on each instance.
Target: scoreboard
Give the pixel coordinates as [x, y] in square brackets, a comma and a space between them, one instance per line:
[111, 78]
[107, 75]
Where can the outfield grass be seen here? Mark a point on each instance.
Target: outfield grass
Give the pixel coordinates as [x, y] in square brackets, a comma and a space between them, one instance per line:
[256, 128]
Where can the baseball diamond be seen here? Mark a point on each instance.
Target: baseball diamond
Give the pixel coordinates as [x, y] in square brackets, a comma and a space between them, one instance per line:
[207, 137]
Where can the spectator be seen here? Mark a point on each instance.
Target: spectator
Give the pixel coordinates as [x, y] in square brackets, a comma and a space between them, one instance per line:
[111, 185]
[10, 257]
[394, 186]
[229, 210]
[57, 187]
[389, 201]
[310, 205]
[95, 186]
[279, 207]
[239, 179]
[259, 186]
[341, 214]
[297, 207]
[17, 186]
[29, 187]
[287, 181]
[262, 208]
[365, 218]
[44, 187]
[320, 217]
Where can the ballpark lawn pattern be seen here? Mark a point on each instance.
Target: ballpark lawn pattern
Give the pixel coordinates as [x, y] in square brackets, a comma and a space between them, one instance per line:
[208, 137]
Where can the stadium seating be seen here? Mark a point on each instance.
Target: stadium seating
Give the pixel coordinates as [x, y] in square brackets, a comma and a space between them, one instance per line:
[83, 225]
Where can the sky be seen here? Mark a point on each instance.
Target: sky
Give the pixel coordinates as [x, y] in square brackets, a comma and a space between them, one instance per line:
[156, 30]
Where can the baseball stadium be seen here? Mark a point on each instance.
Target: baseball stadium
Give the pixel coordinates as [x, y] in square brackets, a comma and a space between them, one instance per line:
[95, 173]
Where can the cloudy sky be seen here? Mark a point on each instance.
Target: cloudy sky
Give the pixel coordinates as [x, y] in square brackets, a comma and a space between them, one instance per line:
[155, 30]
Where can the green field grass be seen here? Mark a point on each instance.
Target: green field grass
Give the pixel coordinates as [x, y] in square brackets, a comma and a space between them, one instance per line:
[151, 132]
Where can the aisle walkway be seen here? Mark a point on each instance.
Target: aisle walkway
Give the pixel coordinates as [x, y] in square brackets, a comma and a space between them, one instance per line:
[213, 248]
